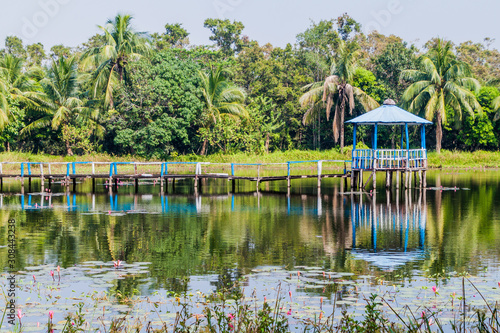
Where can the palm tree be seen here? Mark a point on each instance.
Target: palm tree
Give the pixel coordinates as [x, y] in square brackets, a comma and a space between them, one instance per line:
[442, 81]
[20, 85]
[337, 90]
[220, 97]
[64, 107]
[109, 61]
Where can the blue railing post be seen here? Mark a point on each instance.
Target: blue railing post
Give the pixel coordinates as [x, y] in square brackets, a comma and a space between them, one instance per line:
[29, 168]
[22, 169]
[116, 172]
[161, 170]
[111, 169]
[232, 169]
[73, 167]
[166, 168]
[288, 168]
[67, 170]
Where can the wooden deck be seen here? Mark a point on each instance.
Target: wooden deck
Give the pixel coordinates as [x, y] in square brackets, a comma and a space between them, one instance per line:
[113, 172]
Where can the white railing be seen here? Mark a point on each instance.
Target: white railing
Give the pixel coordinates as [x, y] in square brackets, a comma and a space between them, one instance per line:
[387, 159]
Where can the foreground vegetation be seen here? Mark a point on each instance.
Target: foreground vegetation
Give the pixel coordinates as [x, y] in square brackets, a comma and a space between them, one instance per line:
[156, 96]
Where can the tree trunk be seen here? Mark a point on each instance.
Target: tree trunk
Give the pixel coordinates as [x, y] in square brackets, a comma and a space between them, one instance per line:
[69, 152]
[204, 147]
[319, 130]
[342, 110]
[8, 146]
[439, 133]
[267, 143]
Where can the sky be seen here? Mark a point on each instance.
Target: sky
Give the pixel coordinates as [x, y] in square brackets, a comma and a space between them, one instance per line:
[72, 22]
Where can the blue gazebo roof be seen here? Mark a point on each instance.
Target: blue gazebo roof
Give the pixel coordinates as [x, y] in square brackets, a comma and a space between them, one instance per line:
[389, 114]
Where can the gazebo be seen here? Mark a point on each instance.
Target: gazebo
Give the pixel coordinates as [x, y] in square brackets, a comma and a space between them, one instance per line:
[403, 160]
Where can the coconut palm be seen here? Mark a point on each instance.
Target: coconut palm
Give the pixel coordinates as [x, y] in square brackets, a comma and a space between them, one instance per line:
[220, 97]
[61, 87]
[337, 90]
[19, 85]
[442, 81]
[109, 61]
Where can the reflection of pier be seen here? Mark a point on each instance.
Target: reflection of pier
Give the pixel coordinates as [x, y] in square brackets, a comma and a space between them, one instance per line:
[391, 234]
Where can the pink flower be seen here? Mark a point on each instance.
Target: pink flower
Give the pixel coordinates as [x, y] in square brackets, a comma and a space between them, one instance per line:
[52, 274]
[290, 294]
[51, 314]
[58, 268]
[423, 314]
[230, 316]
[117, 263]
[498, 284]
[19, 314]
[34, 278]
[289, 312]
[435, 289]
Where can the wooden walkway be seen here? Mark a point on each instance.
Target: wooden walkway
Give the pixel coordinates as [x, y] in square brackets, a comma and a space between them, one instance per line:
[165, 172]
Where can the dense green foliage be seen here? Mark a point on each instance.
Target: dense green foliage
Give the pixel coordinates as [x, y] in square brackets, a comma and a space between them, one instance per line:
[126, 92]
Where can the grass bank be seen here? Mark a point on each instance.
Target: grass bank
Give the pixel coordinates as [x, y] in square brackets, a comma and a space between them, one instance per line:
[447, 159]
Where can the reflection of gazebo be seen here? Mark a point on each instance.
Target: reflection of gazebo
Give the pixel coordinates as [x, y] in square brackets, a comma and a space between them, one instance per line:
[389, 160]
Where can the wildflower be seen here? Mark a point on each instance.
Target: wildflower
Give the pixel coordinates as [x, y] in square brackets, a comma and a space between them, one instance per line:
[34, 278]
[230, 316]
[52, 274]
[422, 314]
[117, 263]
[498, 284]
[435, 290]
[58, 268]
[20, 314]
[298, 274]
[290, 294]
[289, 312]
[265, 299]
[320, 315]
[51, 315]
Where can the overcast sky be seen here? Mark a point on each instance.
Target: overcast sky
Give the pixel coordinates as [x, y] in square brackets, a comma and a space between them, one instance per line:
[72, 22]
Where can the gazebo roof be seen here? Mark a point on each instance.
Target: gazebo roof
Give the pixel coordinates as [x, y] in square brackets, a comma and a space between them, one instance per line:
[389, 114]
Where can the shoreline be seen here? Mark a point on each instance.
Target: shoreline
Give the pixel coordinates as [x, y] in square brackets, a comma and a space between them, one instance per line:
[478, 160]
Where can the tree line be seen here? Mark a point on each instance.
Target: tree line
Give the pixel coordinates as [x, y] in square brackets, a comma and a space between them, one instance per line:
[157, 96]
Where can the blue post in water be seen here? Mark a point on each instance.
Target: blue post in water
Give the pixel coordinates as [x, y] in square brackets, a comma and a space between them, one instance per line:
[375, 133]
[232, 203]
[22, 169]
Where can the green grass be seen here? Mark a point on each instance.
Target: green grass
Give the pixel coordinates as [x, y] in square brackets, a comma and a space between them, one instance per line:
[447, 159]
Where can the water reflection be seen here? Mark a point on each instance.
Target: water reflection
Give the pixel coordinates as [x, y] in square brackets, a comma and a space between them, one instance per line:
[397, 231]
[230, 234]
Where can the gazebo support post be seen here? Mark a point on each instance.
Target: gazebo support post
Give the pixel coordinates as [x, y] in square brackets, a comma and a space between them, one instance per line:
[398, 176]
[360, 180]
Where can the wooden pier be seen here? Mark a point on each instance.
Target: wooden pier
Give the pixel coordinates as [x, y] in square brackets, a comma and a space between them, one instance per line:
[165, 172]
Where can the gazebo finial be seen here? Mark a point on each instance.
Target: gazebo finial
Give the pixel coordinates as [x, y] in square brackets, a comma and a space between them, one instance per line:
[389, 102]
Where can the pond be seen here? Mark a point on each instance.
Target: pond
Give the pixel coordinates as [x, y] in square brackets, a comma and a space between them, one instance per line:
[315, 251]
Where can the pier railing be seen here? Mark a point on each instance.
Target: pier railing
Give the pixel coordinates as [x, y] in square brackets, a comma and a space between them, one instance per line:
[389, 159]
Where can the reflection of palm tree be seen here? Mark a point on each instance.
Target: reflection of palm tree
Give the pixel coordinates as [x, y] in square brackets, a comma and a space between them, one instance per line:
[220, 97]
[109, 62]
[441, 82]
[337, 90]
